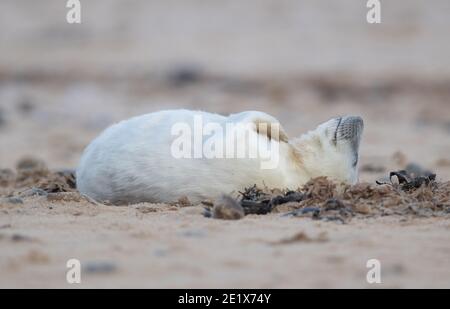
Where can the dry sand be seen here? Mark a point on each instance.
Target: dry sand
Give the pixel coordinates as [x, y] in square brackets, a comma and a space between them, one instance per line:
[159, 246]
[302, 61]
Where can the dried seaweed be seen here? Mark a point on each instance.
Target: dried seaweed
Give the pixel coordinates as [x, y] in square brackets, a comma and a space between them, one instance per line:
[256, 201]
[408, 182]
[416, 194]
[32, 178]
[33, 173]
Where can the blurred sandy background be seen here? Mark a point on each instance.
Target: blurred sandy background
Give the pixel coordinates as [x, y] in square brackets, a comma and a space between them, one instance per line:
[301, 61]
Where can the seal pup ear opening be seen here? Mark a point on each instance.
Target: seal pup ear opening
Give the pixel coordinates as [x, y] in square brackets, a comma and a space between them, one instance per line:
[264, 124]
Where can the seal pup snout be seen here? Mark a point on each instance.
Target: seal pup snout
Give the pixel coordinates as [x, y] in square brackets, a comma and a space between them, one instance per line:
[349, 127]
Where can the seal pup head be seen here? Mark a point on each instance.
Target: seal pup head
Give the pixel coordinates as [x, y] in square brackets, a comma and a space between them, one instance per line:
[332, 149]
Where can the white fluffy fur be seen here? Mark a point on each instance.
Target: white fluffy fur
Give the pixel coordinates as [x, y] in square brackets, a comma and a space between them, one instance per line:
[131, 161]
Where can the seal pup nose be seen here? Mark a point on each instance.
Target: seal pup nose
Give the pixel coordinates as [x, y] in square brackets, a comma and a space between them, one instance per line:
[350, 127]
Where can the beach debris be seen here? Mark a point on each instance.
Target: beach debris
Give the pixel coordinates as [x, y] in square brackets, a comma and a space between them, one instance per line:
[33, 192]
[14, 200]
[331, 210]
[412, 177]
[311, 212]
[207, 213]
[207, 203]
[304, 202]
[290, 196]
[408, 183]
[417, 193]
[33, 178]
[227, 208]
[10, 200]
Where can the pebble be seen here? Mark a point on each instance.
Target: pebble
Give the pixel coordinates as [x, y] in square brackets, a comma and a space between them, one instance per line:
[227, 208]
[11, 200]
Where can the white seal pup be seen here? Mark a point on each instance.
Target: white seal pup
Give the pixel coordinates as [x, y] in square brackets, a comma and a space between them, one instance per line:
[139, 160]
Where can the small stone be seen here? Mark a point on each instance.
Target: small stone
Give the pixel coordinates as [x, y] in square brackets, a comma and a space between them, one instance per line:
[34, 192]
[227, 208]
[207, 212]
[14, 200]
[334, 204]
